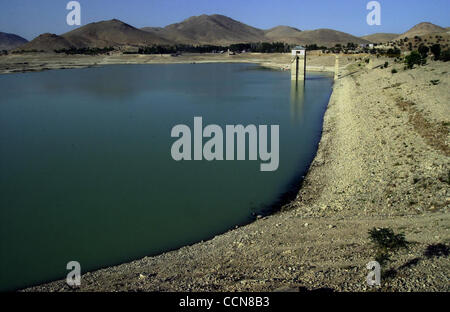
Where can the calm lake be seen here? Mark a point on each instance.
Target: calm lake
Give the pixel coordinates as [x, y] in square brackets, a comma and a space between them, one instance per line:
[86, 172]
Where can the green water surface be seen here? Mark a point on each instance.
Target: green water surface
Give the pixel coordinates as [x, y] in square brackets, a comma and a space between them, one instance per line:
[86, 172]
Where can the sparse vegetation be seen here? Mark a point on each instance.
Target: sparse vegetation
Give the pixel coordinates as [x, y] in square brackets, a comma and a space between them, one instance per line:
[312, 47]
[423, 50]
[261, 47]
[391, 52]
[414, 58]
[436, 50]
[86, 51]
[437, 250]
[445, 56]
[386, 242]
[27, 51]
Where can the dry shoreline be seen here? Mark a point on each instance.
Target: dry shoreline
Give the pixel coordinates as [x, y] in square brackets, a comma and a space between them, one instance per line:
[35, 62]
[376, 166]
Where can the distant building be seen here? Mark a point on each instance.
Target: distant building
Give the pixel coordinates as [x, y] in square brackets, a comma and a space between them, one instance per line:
[298, 64]
[364, 45]
[298, 50]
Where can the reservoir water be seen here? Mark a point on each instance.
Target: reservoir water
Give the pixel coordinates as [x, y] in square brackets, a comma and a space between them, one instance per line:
[86, 172]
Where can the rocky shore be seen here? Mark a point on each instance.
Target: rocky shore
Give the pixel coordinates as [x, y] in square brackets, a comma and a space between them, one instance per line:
[36, 62]
[383, 161]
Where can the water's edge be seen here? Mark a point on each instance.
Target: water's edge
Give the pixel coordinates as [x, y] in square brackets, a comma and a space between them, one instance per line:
[283, 204]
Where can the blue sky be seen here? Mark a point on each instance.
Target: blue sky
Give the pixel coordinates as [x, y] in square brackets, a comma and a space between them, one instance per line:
[29, 18]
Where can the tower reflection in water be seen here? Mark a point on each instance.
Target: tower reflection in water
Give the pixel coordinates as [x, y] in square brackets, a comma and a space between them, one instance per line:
[297, 99]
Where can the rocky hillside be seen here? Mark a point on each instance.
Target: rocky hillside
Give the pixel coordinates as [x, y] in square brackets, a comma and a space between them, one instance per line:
[380, 37]
[328, 37]
[209, 29]
[422, 29]
[283, 33]
[222, 30]
[10, 41]
[112, 33]
[203, 30]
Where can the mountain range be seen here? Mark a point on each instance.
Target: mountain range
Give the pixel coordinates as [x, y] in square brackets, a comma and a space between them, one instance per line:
[201, 30]
[112, 33]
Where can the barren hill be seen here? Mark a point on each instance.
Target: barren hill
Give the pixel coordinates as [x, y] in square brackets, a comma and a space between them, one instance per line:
[209, 29]
[327, 37]
[321, 37]
[112, 33]
[380, 37]
[422, 29]
[282, 32]
[222, 30]
[10, 41]
[46, 42]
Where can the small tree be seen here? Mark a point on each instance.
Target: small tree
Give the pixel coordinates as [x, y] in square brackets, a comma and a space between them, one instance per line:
[423, 50]
[386, 242]
[436, 50]
[445, 56]
[412, 59]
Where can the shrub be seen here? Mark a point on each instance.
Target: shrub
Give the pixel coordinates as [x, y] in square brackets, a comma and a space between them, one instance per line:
[436, 50]
[386, 242]
[412, 59]
[445, 56]
[437, 250]
[86, 51]
[386, 64]
[394, 71]
[395, 52]
[386, 238]
[435, 82]
[423, 50]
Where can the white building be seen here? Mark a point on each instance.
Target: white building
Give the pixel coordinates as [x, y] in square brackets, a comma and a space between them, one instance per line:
[298, 50]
